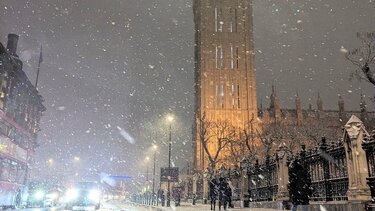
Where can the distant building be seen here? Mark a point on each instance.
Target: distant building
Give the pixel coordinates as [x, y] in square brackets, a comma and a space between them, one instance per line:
[21, 108]
[318, 115]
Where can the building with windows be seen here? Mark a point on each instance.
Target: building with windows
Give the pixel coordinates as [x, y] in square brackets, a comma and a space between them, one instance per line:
[225, 88]
[21, 108]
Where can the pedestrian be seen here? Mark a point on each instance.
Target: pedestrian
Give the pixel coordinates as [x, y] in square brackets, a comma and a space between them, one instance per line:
[299, 185]
[228, 195]
[222, 197]
[162, 198]
[213, 193]
[178, 198]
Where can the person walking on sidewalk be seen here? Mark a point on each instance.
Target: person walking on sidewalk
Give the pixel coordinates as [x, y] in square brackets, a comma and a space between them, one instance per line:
[299, 185]
[228, 195]
[213, 193]
[222, 195]
[162, 197]
[177, 198]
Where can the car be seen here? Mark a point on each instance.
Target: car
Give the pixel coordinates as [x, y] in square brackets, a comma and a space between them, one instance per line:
[82, 196]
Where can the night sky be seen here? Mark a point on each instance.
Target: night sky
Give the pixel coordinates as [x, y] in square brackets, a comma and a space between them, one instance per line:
[122, 66]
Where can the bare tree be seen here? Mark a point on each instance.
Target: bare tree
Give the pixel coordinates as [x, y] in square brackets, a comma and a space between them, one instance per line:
[291, 136]
[250, 140]
[275, 135]
[215, 137]
[236, 152]
[364, 57]
[312, 132]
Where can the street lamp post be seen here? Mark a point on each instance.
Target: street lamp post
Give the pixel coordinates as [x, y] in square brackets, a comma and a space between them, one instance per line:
[169, 168]
[153, 176]
[170, 119]
[147, 182]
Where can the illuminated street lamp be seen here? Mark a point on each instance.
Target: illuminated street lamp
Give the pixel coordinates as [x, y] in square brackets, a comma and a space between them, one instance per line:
[50, 161]
[76, 158]
[170, 120]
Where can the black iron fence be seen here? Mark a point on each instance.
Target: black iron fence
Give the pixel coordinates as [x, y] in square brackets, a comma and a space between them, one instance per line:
[328, 171]
[263, 183]
[326, 165]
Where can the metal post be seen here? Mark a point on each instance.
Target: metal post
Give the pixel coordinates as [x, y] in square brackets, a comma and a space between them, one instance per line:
[153, 180]
[146, 173]
[169, 167]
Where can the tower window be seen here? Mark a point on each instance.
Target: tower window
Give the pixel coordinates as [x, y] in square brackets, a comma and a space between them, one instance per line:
[219, 58]
[231, 57]
[237, 58]
[233, 95]
[219, 22]
[216, 95]
[238, 96]
[233, 21]
[216, 19]
[222, 96]
[216, 57]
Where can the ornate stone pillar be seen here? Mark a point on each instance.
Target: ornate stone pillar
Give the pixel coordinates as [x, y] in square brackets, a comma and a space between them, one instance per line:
[244, 188]
[283, 175]
[195, 184]
[358, 189]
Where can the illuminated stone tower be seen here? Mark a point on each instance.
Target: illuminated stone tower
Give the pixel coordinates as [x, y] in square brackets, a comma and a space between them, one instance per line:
[225, 87]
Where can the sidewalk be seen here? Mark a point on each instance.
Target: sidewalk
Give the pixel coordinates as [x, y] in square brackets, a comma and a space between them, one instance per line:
[202, 207]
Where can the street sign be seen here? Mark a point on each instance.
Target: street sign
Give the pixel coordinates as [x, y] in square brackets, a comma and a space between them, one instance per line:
[171, 174]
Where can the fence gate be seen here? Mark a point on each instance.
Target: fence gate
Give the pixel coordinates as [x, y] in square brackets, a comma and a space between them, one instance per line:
[328, 171]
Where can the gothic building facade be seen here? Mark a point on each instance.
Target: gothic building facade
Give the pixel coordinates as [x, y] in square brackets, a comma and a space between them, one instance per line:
[225, 84]
[298, 116]
[225, 88]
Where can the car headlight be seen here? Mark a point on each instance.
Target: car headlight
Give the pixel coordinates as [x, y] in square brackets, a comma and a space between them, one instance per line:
[71, 194]
[39, 195]
[94, 195]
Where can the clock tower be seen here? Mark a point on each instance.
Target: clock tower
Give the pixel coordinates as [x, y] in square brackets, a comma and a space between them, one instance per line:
[225, 85]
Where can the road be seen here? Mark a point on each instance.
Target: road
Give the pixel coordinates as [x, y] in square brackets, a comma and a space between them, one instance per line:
[106, 206]
[118, 206]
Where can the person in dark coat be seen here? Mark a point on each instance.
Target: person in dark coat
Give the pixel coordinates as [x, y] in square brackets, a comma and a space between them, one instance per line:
[228, 195]
[213, 193]
[162, 197]
[299, 185]
[177, 198]
[222, 196]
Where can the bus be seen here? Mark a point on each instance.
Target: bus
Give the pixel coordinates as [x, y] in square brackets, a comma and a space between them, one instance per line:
[13, 162]
[21, 108]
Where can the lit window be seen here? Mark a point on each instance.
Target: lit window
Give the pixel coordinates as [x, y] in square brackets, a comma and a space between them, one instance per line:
[219, 57]
[216, 95]
[231, 57]
[215, 19]
[222, 96]
[237, 58]
[233, 95]
[238, 96]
